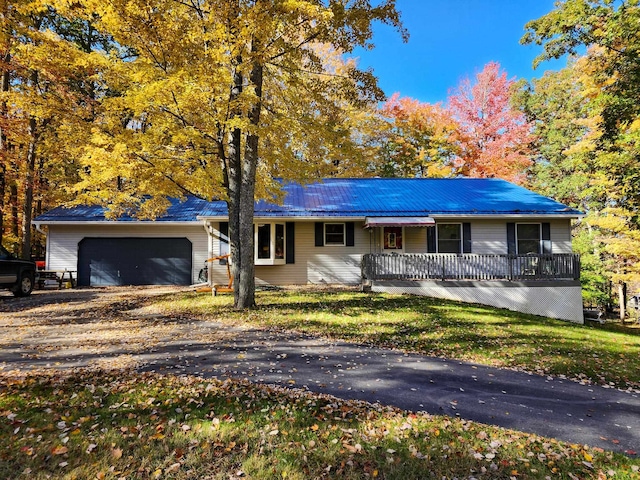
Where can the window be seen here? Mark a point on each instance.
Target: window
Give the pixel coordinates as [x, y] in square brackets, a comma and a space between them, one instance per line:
[392, 238]
[263, 241]
[270, 243]
[449, 238]
[334, 234]
[279, 246]
[528, 238]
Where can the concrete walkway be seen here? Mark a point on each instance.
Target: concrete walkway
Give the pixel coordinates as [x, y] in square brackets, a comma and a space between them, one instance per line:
[554, 407]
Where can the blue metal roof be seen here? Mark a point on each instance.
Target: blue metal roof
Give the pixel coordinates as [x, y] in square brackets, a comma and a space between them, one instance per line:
[351, 197]
[179, 211]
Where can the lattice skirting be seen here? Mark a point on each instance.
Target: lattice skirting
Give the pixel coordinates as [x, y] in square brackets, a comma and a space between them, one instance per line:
[559, 299]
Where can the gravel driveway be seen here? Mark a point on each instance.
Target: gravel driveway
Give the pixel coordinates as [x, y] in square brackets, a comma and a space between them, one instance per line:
[97, 327]
[109, 328]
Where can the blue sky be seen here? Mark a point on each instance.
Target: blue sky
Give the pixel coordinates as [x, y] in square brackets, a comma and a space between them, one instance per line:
[453, 39]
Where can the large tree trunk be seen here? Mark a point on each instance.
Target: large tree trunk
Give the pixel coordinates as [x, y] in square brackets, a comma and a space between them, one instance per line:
[241, 181]
[237, 241]
[246, 288]
[4, 147]
[27, 208]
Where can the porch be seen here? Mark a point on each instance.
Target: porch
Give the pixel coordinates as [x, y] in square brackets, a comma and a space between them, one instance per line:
[467, 266]
[547, 285]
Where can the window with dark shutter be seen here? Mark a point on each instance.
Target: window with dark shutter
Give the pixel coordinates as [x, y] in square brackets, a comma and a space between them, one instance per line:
[431, 240]
[546, 238]
[511, 238]
[290, 226]
[334, 234]
[466, 238]
[319, 234]
[350, 234]
[528, 238]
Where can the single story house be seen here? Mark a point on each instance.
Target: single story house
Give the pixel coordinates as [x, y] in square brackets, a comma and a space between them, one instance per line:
[478, 240]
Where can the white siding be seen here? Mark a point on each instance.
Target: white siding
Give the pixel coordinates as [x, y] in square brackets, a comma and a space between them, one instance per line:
[63, 240]
[561, 236]
[561, 300]
[490, 236]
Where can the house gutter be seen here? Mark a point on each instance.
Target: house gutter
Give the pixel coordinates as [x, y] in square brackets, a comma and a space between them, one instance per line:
[224, 218]
[114, 223]
[38, 227]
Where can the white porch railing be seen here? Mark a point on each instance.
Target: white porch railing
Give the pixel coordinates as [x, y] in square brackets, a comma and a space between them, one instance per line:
[466, 266]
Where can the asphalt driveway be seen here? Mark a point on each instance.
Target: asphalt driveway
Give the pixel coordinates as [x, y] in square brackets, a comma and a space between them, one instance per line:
[104, 328]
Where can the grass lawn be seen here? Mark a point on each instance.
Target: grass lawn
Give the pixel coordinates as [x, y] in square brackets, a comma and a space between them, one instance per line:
[436, 327]
[119, 424]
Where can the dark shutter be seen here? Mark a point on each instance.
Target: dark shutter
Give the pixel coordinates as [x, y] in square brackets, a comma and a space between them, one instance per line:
[431, 239]
[224, 241]
[290, 245]
[546, 238]
[350, 234]
[319, 234]
[511, 239]
[466, 238]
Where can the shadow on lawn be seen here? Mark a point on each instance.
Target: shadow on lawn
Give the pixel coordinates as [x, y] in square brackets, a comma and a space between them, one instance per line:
[448, 329]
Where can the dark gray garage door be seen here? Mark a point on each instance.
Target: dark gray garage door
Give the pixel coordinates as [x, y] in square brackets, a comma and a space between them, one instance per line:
[134, 261]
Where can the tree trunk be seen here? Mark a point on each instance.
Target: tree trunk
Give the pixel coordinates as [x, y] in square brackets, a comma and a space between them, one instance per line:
[247, 286]
[234, 184]
[622, 300]
[13, 201]
[4, 147]
[27, 209]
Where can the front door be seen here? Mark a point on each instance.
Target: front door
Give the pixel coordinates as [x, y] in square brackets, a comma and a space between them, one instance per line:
[392, 239]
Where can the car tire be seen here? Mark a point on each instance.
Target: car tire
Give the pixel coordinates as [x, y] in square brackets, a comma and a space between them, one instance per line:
[25, 284]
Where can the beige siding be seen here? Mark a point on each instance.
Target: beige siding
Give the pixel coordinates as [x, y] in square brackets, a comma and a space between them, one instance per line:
[415, 240]
[63, 240]
[315, 265]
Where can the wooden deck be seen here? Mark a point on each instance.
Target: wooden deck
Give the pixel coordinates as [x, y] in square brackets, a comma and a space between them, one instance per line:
[444, 266]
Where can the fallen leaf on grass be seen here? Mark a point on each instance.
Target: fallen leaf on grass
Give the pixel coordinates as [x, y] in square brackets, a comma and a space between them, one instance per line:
[59, 450]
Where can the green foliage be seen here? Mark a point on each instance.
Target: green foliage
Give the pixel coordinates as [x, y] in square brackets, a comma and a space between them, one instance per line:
[588, 117]
[593, 273]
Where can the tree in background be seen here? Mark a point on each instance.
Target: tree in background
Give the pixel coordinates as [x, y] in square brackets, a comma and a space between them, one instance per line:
[496, 136]
[422, 139]
[480, 133]
[220, 97]
[606, 153]
[45, 109]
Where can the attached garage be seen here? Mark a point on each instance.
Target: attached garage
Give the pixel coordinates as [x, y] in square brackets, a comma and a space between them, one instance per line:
[134, 261]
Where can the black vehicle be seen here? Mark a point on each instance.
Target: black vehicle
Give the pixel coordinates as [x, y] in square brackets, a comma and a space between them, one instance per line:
[17, 275]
